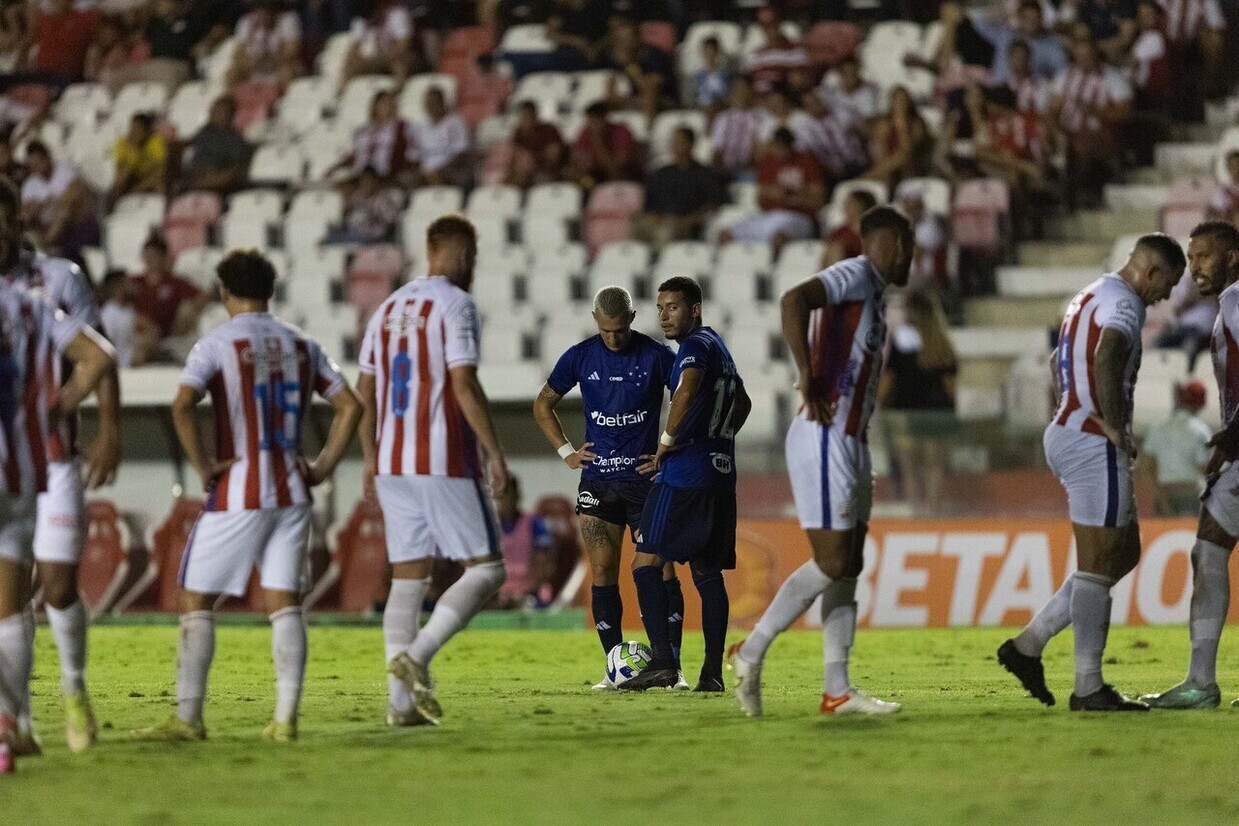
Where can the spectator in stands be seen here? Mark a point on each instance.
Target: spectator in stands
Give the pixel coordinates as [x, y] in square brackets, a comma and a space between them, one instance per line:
[1224, 205]
[172, 35]
[789, 192]
[168, 302]
[1191, 328]
[834, 139]
[736, 133]
[382, 37]
[132, 335]
[901, 146]
[219, 156]
[268, 45]
[1089, 103]
[962, 132]
[959, 45]
[577, 28]
[1196, 31]
[679, 197]
[843, 242]
[846, 89]
[57, 206]
[371, 213]
[528, 552]
[1048, 56]
[1010, 145]
[538, 150]
[917, 393]
[649, 70]
[14, 38]
[9, 166]
[118, 48]
[778, 55]
[443, 142]
[1110, 23]
[61, 36]
[929, 256]
[782, 112]
[386, 144]
[1032, 93]
[141, 159]
[1175, 451]
[1150, 59]
[712, 82]
[604, 151]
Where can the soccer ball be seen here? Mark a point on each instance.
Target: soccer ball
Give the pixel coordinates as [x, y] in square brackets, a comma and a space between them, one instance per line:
[627, 660]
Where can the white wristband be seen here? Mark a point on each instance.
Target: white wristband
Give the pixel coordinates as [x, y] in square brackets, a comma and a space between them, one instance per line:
[666, 440]
[566, 450]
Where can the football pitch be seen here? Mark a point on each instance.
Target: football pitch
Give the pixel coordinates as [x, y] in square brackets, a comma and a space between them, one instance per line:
[524, 740]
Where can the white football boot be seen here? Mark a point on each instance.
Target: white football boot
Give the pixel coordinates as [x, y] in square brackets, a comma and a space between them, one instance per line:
[747, 686]
[857, 702]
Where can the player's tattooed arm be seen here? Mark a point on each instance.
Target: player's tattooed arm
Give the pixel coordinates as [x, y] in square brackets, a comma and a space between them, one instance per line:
[552, 428]
[1113, 352]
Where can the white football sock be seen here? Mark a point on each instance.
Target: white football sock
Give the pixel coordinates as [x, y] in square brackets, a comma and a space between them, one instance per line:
[13, 656]
[193, 664]
[1210, 602]
[401, 618]
[288, 652]
[794, 597]
[838, 633]
[25, 717]
[1090, 617]
[456, 607]
[1053, 617]
[69, 630]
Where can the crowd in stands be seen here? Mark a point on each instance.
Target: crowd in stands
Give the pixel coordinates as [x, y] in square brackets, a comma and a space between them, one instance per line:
[777, 124]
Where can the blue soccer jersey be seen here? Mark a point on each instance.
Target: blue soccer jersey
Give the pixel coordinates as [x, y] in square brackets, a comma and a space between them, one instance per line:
[623, 397]
[706, 437]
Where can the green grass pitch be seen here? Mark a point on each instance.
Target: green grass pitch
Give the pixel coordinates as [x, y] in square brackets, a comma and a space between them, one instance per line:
[524, 740]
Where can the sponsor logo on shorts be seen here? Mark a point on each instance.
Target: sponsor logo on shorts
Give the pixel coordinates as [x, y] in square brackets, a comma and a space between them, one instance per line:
[721, 462]
[587, 500]
[619, 419]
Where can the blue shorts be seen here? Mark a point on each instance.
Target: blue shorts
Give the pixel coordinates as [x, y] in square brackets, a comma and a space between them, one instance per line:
[684, 525]
[618, 501]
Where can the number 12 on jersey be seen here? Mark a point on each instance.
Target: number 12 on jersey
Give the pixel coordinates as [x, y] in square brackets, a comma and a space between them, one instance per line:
[724, 407]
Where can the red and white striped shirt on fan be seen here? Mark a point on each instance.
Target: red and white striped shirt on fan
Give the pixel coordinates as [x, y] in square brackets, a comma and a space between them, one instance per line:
[32, 332]
[62, 284]
[416, 337]
[734, 135]
[1186, 18]
[1080, 91]
[262, 374]
[1107, 302]
[846, 338]
[1226, 353]
[387, 147]
[1031, 94]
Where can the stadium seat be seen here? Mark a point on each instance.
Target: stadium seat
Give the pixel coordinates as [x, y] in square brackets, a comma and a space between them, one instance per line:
[558, 337]
[664, 127]
[609, 211]
[564, 259]
[427, 204]
[494, 201]
[1123, 245]
[124, 233]
[96, 263]
[214, 66]
[337, 327]
[301, 108]
[168, 549]
[372, 274]
[198, 207]
[414, 92]
[729, 36]
[556, 278]
[692, 258]
[550, 212]
[310, 214]
[277, 164]
[52, 133]
[551, 91]
[213, 315]
[467, 43]
[831, 216]
[135, 98]
[190, 107]
[329, 64]
[828, 42]
[83, 104]
[725, 218]
[353, 107]
[593, 86]
[936, 193]
[798, 260]
[250, 217]
[1226, 144]
[361, 552]
[255, 101]
[978, 219]
[754, 39]
[636, 122]
[660, 34]
[493, 130]
[481, 95]
[1186, 205]
[624, 264]
[198, 265]
[525, 38]
[741, 280]
[325, 144]
[883, 49]
[104, 566]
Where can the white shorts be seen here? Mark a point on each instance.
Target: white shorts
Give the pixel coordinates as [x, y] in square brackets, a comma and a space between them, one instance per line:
[61, 526]
[17, 529]
[763, 226]
[1094, 474]
[1221, 499]
[224, 546]
[831, 474]
[427, 516]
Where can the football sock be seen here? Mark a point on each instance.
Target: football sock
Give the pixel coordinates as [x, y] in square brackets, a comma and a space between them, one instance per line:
[1053, 617]
[401, 618]
[25, 718]
[288, 650]
[714, 612]
[1210, 601]
[193, 664]
[69, 630]
[675, 615]
[794, 597]
[652, 597]
[1090, 617]
[14, 653]
[838, 633]
[456, 607]
[608, 610]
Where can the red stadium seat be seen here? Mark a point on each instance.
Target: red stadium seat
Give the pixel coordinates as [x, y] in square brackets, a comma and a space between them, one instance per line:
[196, 207]
[481, 96]
[979, 214]
[495, 162]
[181, 236]
[1186, 206]
[362, 555]
[105, 556]
[255, 100]
[168, 549]
[660, 34]
[608, 213]
[371, 276]
[468, 42]
[828, 43]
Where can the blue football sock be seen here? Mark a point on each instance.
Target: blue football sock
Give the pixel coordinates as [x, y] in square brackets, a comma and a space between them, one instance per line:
[608, 615]
[675, 615]
[652, 597]
[714, 612]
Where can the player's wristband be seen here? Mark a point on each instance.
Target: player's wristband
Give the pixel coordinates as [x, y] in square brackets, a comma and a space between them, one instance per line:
[666, 440]
[566, 450]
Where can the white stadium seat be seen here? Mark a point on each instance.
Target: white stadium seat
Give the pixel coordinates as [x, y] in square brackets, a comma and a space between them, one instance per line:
[689, 54]
[529, 37]
[592, 87]
[664, 127]
[692, 258]
[198, 265]
[551, 91]
[82, 104]
[499, 201]
[549, 211]
[190, 107]
[277, 164]
[310, 215]
[410, 105]
[302, 106]
[936, 192]
[797, 261]
[494, 130]
[755, 39]
[124, 233]
[249, 219]
[135, 98]
[330, 61]
[354, 106]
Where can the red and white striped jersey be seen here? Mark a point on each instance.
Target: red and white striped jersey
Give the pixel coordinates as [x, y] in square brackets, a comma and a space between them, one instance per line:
[1226, 353]
[418, 334]
[262, 374]
[846, 338]
[32, 334]
[1079, 91]
[1186, 18]
[1107, 302]
[1031, 94]
[735, 134]
[62, 284]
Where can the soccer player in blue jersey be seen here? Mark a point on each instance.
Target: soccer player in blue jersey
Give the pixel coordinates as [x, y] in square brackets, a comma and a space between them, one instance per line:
[690, 514]
[622, 375]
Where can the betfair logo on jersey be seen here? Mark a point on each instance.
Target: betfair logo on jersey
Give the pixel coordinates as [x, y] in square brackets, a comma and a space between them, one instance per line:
[620, 420]
[587, 500]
